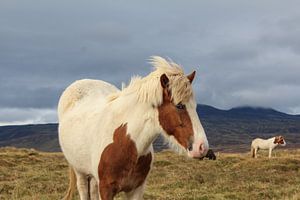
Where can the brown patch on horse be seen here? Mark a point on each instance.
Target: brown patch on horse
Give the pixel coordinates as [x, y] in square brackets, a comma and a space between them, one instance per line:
[276, 140]
[174, 121]
[120, 169]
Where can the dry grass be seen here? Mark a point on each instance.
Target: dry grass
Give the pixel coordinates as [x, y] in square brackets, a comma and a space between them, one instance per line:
[28, 174]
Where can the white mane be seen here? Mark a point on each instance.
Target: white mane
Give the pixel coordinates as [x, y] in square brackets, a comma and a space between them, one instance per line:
[149, 90]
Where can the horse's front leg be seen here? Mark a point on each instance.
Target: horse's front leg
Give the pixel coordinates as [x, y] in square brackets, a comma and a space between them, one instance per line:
[136, 194]
[94, 192]
[270, 152]
[107, 192]
[82, 185]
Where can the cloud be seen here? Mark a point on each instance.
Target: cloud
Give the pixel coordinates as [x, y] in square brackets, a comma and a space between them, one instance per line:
[39, 97]
[27, 116]
[244, 52]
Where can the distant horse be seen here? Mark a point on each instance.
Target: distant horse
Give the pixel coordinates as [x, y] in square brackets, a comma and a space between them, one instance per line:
[270, 144]
[106, 134]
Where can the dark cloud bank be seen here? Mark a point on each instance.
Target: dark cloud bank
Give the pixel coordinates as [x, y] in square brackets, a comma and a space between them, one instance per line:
[245, 53]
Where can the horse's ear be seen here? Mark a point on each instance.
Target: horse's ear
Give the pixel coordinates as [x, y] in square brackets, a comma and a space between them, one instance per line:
[191, 76]
[164, 81]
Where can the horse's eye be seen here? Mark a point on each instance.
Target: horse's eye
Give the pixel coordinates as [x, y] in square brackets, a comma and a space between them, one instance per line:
[180, 106]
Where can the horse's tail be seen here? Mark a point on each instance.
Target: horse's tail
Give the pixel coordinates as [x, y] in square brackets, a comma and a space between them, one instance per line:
[72, 184]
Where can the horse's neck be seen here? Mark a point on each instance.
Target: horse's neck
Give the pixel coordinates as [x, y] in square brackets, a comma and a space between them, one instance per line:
[142, 123]
[144, 135]
[271, 140]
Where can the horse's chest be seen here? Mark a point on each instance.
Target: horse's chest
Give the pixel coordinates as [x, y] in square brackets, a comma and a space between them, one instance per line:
[137, 174]
[120, 169]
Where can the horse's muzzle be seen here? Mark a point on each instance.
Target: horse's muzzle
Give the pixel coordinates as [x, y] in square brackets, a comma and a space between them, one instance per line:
[199, 149]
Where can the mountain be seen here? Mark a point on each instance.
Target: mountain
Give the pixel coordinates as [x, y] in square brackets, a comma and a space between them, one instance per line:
[39, 136]
[246, 112]
[227, 130]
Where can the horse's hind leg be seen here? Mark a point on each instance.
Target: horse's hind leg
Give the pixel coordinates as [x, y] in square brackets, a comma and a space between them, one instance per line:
[255, 152]
[82, 185]
[136, 194]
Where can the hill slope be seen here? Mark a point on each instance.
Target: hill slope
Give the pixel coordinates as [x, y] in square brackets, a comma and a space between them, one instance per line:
[40, 136]
[230, 130]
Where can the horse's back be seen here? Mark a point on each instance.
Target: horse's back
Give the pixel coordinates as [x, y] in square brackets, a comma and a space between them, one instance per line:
[82, 90]
[260, 143]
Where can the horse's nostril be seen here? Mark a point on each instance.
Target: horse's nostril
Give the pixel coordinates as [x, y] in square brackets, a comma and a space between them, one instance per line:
[201, 148]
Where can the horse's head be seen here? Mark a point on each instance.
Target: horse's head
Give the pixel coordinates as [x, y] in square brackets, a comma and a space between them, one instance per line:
[178, 117]
[279, 140]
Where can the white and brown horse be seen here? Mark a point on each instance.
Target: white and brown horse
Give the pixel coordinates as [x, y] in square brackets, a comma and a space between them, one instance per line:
[106, 134]
[268, 144]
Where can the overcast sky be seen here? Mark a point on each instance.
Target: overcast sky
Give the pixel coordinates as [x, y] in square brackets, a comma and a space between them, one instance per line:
[244, 52]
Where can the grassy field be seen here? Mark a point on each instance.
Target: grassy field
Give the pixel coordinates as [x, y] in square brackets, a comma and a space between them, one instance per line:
[29, 174]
